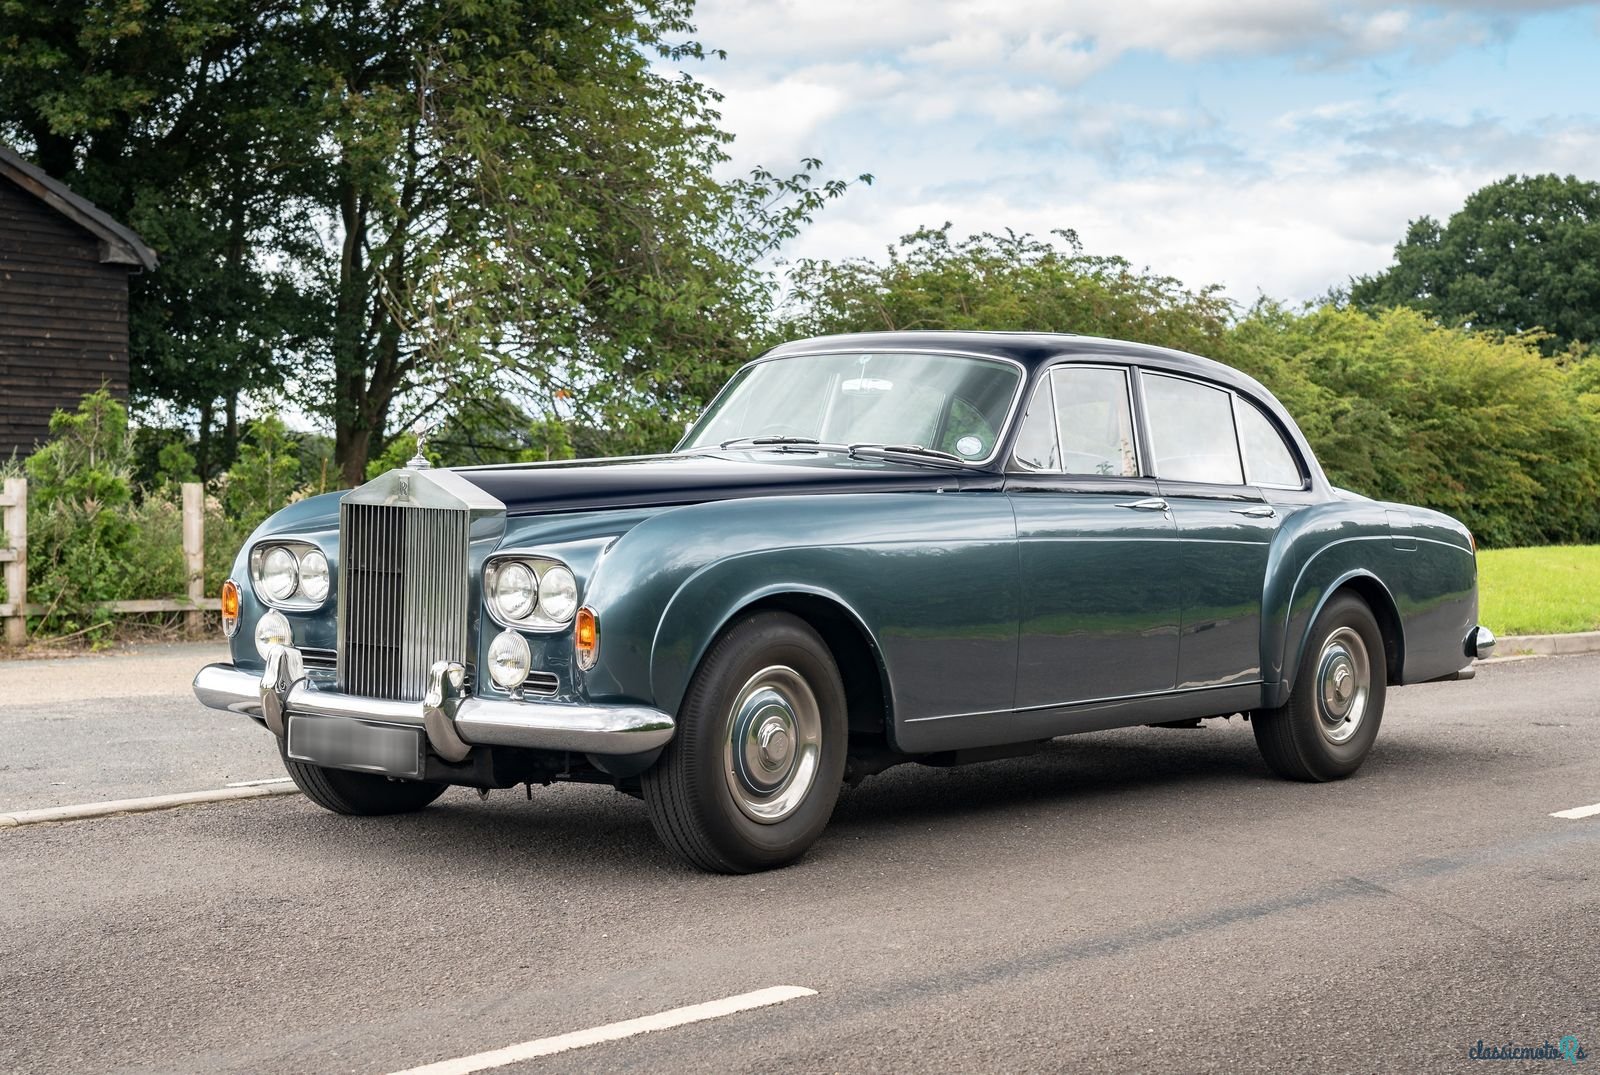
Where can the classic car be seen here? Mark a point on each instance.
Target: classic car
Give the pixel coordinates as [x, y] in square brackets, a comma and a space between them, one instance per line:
[870, 549]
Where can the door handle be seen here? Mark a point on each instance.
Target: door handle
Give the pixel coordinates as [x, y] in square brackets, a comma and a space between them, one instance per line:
[1260, 511]
[1154, 503]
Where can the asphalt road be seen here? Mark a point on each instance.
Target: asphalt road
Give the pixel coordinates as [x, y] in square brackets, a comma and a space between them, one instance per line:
[1144, 900]
[87, 729]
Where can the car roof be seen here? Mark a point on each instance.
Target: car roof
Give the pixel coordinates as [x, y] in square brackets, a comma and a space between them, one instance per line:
[1030, 349]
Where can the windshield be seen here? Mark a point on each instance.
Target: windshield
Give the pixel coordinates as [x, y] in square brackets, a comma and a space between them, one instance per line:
[949, 403]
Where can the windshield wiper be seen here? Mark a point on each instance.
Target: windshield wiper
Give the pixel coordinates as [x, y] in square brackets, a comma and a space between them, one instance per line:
[918, 453]
[764, 441]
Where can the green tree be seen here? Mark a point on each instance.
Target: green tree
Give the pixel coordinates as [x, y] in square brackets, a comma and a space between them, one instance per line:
[1008, 282]
[1398, 407]
[266, 474]
[381, 208]
[1521, 254]
[176, 118]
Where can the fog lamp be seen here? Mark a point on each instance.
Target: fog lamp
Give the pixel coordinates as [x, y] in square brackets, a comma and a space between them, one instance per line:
[272, 630]
[509, 660]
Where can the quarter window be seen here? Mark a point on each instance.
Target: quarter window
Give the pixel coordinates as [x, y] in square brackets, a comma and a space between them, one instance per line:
[1267, 458]
[1191, 431]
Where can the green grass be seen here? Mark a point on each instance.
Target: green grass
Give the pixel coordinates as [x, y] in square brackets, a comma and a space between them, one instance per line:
[1552, 590]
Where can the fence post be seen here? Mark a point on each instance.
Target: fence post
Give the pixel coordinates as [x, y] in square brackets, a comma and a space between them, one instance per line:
[14, 506]
[194, 544]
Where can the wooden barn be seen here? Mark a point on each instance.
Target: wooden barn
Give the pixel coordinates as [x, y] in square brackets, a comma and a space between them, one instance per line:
[64, 269]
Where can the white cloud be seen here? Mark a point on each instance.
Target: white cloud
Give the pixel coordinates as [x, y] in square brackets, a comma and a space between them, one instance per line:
[992, 114]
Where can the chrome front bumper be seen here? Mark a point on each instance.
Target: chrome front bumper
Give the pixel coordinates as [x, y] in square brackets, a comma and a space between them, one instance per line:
[453, 720]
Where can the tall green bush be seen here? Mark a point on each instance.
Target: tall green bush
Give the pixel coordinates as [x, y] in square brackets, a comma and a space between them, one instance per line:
[89, 540]
[1400, 408]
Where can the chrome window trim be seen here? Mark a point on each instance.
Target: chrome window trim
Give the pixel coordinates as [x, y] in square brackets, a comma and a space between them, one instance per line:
[1047, 374]
[1002, 435]
[298, 546]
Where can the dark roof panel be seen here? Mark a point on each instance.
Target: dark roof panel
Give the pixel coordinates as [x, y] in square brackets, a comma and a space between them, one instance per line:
[118, 243]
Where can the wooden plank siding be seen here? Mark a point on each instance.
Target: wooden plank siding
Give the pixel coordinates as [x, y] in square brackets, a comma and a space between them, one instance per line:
[63, 318]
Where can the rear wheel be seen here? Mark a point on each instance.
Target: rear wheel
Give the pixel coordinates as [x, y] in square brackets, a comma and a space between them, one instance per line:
[751, 777]
[367, 794]
[1332, 716]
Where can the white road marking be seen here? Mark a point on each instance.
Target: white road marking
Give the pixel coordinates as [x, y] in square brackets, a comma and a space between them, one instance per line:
[578, 1039]
[80, 811]
[258, 783]
[1578, 811]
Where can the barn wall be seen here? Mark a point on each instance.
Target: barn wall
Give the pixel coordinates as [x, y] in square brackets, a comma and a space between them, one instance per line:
[63, 318]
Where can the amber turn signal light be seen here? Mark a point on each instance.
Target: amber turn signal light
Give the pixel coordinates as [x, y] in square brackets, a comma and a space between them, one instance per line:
[586, 638]
[230, 608]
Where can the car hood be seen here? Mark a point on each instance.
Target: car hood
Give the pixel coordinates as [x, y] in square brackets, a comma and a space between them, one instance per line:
[662, 480]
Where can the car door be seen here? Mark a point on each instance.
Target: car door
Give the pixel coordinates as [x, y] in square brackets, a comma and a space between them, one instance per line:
[1101, 596]
[1225, 527]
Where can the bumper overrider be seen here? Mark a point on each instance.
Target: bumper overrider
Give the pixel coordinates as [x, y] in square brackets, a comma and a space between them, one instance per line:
[453, 720]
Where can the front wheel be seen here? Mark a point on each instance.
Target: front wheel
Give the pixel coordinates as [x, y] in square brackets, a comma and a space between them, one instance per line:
[365, 794]
[1332, 716]
[751, 778]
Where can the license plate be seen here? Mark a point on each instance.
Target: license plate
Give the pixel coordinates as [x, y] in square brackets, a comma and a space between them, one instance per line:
[342, 743]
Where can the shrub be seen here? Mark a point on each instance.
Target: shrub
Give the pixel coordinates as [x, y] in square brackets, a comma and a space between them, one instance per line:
[1397, 407]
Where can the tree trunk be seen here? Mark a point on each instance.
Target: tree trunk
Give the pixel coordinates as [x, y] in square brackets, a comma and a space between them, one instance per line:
[231, 425]
[202, 447]
[350, 448]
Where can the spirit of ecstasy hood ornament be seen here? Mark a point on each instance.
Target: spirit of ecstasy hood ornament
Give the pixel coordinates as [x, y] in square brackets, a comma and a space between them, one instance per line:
[420, 461]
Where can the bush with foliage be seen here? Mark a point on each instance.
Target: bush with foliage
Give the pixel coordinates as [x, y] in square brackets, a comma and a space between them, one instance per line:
[1398, 407]
[96, 536]
[90, 541]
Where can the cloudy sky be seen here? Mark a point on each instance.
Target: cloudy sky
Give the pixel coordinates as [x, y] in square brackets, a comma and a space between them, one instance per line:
[1274, 146]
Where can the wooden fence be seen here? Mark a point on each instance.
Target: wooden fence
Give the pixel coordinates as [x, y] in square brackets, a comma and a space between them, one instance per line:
[14, 556]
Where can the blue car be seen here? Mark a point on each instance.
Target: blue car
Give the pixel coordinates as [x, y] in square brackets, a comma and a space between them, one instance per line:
[870, 550]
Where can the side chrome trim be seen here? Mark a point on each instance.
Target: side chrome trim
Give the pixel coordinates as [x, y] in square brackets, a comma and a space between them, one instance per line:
[458, 721]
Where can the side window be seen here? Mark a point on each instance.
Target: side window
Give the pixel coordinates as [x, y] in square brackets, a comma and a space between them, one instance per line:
[1191, 431]
[1267, 458]
[1036, 441]
[1094, 422]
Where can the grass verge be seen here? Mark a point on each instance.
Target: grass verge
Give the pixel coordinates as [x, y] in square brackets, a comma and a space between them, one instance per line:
[1543, 591]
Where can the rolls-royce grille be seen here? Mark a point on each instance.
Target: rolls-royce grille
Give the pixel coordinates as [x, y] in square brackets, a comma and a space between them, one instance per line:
[402, 597]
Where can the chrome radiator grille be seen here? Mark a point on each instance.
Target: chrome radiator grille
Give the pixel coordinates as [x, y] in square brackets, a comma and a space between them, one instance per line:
[402, 597]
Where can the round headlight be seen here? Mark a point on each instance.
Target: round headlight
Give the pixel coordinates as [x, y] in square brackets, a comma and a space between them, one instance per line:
[509, 659]
[516, 591]
[314, 576]
[558, 594]
[280, 574]
[272, 630]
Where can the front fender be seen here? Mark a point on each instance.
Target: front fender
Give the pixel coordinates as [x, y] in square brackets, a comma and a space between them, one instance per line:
[930, 578]
[710, 598]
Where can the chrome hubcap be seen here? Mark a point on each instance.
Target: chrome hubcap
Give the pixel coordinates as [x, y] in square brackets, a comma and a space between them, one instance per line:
[1344, 678]
[774, 744]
